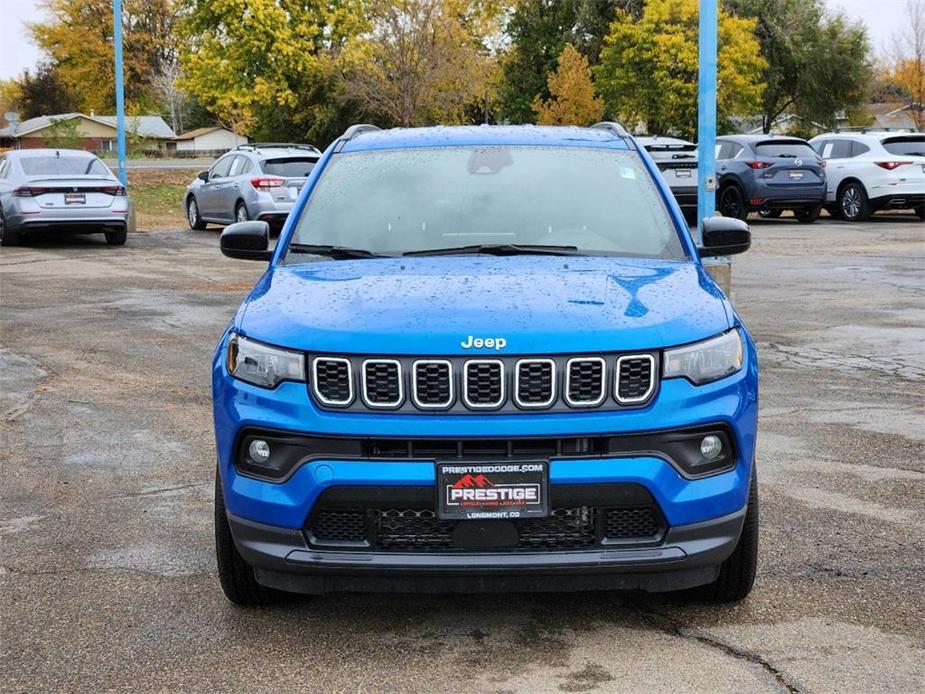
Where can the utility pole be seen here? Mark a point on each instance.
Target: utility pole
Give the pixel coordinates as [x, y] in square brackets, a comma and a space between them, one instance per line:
[706, 114]
[120, 89]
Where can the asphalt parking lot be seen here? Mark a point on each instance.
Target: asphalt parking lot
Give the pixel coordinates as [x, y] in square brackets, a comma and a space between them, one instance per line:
[107, 577]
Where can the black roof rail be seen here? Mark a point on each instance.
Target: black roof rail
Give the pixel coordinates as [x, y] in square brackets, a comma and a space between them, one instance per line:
[278, 145]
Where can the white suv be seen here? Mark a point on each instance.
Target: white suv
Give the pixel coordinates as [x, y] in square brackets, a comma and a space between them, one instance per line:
[873, 170]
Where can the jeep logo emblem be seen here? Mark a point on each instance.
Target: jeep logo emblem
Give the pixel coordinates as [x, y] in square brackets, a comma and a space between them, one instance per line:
[487, 342]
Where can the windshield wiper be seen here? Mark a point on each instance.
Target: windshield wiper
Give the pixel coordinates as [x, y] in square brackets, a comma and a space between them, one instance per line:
[500, 249]
[336, 252]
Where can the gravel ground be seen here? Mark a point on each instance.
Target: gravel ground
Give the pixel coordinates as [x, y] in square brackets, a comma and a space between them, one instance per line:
[107, 577]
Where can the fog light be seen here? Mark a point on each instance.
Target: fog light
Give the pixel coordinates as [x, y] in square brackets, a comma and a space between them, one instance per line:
[259, 450]
[710, 447]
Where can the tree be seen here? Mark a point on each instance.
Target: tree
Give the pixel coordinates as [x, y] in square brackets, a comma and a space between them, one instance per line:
[423, 62]
[268, 68]
[77, 38]
[908, 71]
[64, 133]
[538, 32]
[9, 97]
[648, 68]
[817, 63]
[44, 93]
[572, 100]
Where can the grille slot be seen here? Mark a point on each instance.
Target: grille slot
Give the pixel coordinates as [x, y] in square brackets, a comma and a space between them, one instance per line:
[382, 383]
[483, 383]
[632, 523]
[584, 381]
[332, 380]
[535, 382]
[340, 526]
[635, 378]
[432, 383]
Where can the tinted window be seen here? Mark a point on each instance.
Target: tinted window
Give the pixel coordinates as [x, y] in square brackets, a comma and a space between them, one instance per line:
[221, 168]
[723, 149]
[237, 166]
[912, 145]
[834, 149]
[393, 201]
[784, 148]
[664, 152]
[65, 165]
[859, 148]
[734, 149]
[290, 167]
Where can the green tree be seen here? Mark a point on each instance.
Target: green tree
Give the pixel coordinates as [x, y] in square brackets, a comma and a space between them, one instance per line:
[538, 32]
[44, 93]
[64, 133]
[269, 68]
[77, 38]
[817, 63]
[648, 68]
[572, 100]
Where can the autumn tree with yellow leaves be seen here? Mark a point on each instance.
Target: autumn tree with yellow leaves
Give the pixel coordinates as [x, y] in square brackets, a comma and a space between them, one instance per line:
[572, 100]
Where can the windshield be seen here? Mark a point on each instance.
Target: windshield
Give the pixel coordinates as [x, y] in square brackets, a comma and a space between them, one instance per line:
[62, 166]
[913, 145]
[290, 167]
[599, 201]
[784, 149]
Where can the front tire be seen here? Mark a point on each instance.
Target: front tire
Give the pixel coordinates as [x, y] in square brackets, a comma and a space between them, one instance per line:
[193, 218]
[235, 575]
[732, 203]
[853, 203]
[807, 215]
[737, 574]
[116, 238]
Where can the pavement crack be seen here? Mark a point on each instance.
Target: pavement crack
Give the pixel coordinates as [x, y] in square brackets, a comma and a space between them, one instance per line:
[675, 627]
[160, 490]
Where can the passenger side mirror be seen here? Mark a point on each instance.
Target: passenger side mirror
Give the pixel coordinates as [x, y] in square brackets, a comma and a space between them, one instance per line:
[203, 176]
[724, 236]
[246, 241]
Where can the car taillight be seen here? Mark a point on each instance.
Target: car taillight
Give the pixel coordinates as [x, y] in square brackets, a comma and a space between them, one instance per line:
[760, 164]
[267, 183]
[821, 163]
[890, 165]
[116, 191]
[29, 192]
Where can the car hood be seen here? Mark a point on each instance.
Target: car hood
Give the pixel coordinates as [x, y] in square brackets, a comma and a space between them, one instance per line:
[537, 304]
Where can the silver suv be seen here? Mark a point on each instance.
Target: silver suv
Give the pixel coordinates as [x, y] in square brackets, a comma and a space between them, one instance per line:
[257, 181]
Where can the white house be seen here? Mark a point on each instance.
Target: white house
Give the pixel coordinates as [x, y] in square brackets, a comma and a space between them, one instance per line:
[214, 139]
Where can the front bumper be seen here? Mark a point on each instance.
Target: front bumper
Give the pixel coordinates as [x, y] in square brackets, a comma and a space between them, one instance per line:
[689, 556]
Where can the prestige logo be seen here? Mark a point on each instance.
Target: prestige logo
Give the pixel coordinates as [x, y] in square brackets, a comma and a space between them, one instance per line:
[472, 342]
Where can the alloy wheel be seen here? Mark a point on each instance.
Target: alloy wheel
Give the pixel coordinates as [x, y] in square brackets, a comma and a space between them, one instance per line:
[729, 204]
[851, 202]
[241, 215]
[192, 212]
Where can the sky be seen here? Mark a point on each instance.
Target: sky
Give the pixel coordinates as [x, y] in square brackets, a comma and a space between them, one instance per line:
[883, 18]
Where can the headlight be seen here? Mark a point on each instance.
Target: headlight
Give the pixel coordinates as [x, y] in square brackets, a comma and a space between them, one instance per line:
[706, 361]
[263, 365]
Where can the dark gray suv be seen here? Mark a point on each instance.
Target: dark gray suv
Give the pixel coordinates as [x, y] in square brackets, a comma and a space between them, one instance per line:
[769, 174]
[251, 182]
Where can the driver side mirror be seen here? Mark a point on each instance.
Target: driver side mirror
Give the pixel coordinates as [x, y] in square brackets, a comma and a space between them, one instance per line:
[203, 176]
[724, 236]
[246, 241]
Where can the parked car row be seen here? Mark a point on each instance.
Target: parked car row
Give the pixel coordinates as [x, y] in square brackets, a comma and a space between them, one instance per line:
[850, 174]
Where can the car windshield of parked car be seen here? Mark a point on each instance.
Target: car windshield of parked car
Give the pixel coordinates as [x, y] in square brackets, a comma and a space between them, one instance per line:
[597, 201]
[289, 167]
[910, 146]
[792, 149]
[52, 165]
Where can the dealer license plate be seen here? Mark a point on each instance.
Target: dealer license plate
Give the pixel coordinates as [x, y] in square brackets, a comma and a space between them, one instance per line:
[75, 199]
[796, 174]
[487, 491]
[682, 173]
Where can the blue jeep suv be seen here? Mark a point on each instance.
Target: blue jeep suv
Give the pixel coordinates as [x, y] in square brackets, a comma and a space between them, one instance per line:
[485, 358]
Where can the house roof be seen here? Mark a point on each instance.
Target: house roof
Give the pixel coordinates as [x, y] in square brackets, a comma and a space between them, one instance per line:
[144, 126]
[193, 134]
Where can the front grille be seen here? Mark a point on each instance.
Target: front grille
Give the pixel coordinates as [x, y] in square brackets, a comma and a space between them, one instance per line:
[382, 385]
[332, 379]
[461, 385]
[433, 383]
[403, 519]
[484, 383]
[634, 378]
[585, 381]
[535, 382]
[631, 522]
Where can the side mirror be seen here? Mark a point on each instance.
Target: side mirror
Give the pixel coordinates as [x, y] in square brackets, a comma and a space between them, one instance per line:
[724, 236]
[247, 241]
[203, 176]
